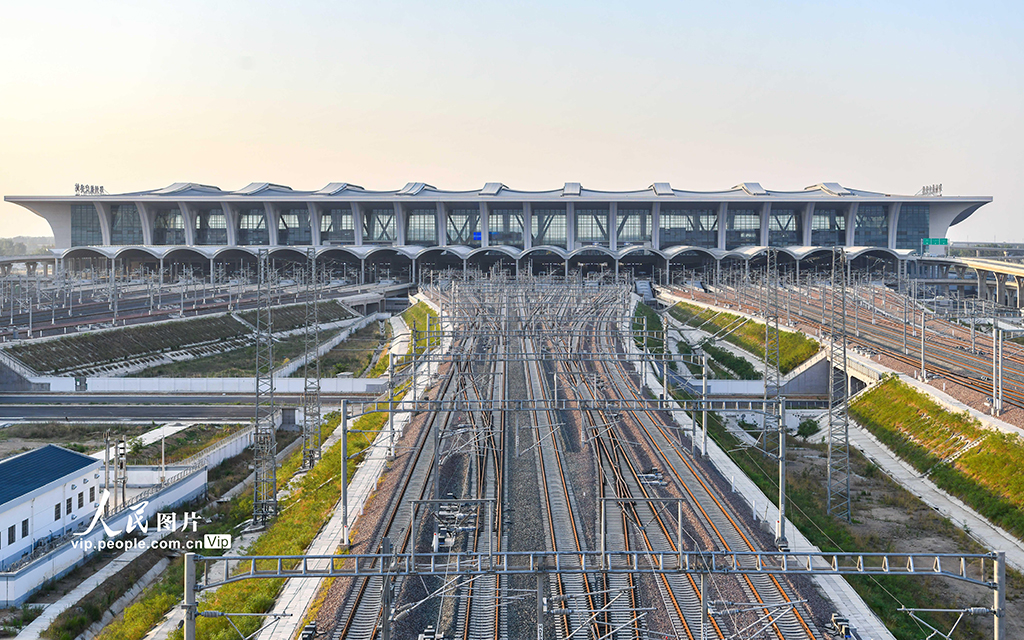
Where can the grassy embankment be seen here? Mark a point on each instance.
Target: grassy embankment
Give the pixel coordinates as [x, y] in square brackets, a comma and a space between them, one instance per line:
[293, 316]
[183, 444]
[806, 497]
[978, 465]
[97, 348]
[237, 363]
[794, 348]
[421, 317]
[352, 355]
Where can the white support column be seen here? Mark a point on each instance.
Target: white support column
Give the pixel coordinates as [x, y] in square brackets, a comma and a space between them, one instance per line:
[570, 227]
[893, 220]
[271, 213]
[851, 224]
[807, 227]
[485, 226]
[656, 225]
[723, 221]
[231, 220]
[188, 216]
[766, 214]
[527, 226]
[357, 224]
[442, 225]
[146, 216]
[314, 223]
[401, 224]
[613, 226]
[103, 211]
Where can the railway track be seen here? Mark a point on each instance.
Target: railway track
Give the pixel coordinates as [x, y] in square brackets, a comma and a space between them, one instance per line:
[516, 346]
[948, 348]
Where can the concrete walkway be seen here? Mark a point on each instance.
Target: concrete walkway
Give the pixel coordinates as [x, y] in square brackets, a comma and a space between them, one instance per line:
[400, 336]
[165, 431]
[70, 599]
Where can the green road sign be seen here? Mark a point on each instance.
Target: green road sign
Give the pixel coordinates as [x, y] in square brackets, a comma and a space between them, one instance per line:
[928, 241]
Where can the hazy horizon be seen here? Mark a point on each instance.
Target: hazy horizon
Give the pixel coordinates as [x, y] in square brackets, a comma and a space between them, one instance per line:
[879, 96]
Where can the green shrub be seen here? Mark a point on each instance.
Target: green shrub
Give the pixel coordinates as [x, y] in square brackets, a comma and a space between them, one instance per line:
[738, 365]
[808, 427]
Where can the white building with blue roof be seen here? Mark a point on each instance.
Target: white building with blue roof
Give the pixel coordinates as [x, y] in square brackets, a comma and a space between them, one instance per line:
[45, 494]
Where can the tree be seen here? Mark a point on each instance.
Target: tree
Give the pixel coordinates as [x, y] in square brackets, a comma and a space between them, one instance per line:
[808, 427]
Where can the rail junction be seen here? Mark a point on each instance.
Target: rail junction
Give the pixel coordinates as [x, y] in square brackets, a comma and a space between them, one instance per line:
[550, 494]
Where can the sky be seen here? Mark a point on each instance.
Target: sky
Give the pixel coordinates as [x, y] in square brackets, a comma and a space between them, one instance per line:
[884, 96]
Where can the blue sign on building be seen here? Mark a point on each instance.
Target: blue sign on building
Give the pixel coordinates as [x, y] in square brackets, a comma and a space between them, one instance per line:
[476, 235]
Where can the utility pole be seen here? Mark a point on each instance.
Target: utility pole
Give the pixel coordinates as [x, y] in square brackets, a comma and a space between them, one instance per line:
[838, 420]
[311, 367]
[924, 372]
[344, 472]
[264, 506]
[780, 529]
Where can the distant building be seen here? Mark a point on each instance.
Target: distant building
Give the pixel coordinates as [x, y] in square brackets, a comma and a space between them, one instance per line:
[45, 494]
[375, 234]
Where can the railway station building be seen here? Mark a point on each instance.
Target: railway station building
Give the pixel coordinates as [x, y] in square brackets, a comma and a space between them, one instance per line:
[653, 232]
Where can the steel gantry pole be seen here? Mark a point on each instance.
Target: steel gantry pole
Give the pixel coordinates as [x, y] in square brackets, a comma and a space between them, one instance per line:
[772, 381]
[838, 419]
[924, 371]
[344, 472]
[264, 505]
[311, 367]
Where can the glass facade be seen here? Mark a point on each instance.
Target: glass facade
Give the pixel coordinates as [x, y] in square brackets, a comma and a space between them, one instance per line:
[505, 225]
[337, 226]
[293, 227]
[85, 226]
[912, 226]
[211, 227]
[784, 228]
[168, 227]
[592, 224]
[421, 226]
[548, 225]
[634, 225]
[693, 226]
[252, 227]
[378, 224]
[743, 229]
[828, 228]
[463, 226]
[125, 224]
[872, 228]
